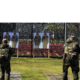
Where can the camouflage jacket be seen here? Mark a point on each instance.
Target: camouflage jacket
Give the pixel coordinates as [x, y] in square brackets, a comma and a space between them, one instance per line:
[71, 50]
[6, 51]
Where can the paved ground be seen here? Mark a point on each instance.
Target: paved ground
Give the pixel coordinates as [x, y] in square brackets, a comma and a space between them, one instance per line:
[51, 76]
[15, 76]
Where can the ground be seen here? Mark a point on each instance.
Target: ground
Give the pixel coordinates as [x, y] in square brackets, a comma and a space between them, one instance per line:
[35, 68]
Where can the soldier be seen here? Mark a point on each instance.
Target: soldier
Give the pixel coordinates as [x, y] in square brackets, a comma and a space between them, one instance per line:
[37, 40]
[14, 40]
[45, 40]
[7, 36]
[5, 56]
[70, 58]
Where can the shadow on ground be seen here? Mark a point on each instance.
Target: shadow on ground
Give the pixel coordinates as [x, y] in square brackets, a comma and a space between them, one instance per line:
[52, 76]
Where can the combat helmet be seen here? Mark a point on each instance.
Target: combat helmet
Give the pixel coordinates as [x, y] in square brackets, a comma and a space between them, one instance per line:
[5, 40]
[72, 37]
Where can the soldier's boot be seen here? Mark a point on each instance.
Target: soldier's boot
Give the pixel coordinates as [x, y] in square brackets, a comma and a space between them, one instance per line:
[65, 76]
[75, 76]
[3, 76]
[7, 77]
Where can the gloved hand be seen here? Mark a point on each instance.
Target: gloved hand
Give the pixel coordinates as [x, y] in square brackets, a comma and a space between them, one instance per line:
[1, 56]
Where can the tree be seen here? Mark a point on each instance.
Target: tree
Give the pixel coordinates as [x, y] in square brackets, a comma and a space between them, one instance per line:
[57, 30]
[51, 27]
[55, 27]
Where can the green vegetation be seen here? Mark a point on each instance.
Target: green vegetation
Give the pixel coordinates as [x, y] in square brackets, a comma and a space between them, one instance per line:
[52, 27]
[34, 68]
[56, 41]
[24, 40]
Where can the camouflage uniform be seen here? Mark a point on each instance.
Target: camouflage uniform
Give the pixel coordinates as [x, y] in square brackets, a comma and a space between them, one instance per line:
[14, 40]
[45, 41]
[5, 56]
[70, 58]
[7, 36]
[37, 40]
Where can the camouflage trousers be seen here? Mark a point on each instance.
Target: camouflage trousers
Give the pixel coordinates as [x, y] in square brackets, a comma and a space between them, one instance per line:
[5, 68]
[74, 66]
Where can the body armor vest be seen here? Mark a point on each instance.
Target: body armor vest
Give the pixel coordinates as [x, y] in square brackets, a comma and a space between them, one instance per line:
[5, 52]
[69, 51]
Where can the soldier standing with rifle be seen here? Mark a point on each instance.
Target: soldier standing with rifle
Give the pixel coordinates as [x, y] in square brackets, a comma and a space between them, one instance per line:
[70, 58]
[5, 56]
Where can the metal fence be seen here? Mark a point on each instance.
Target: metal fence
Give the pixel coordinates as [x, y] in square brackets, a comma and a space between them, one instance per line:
[73, 29]
[59, 32]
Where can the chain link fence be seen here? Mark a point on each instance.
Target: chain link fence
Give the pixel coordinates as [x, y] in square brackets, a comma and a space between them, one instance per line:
[26, 30]
[73, 29]
[25, 35]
